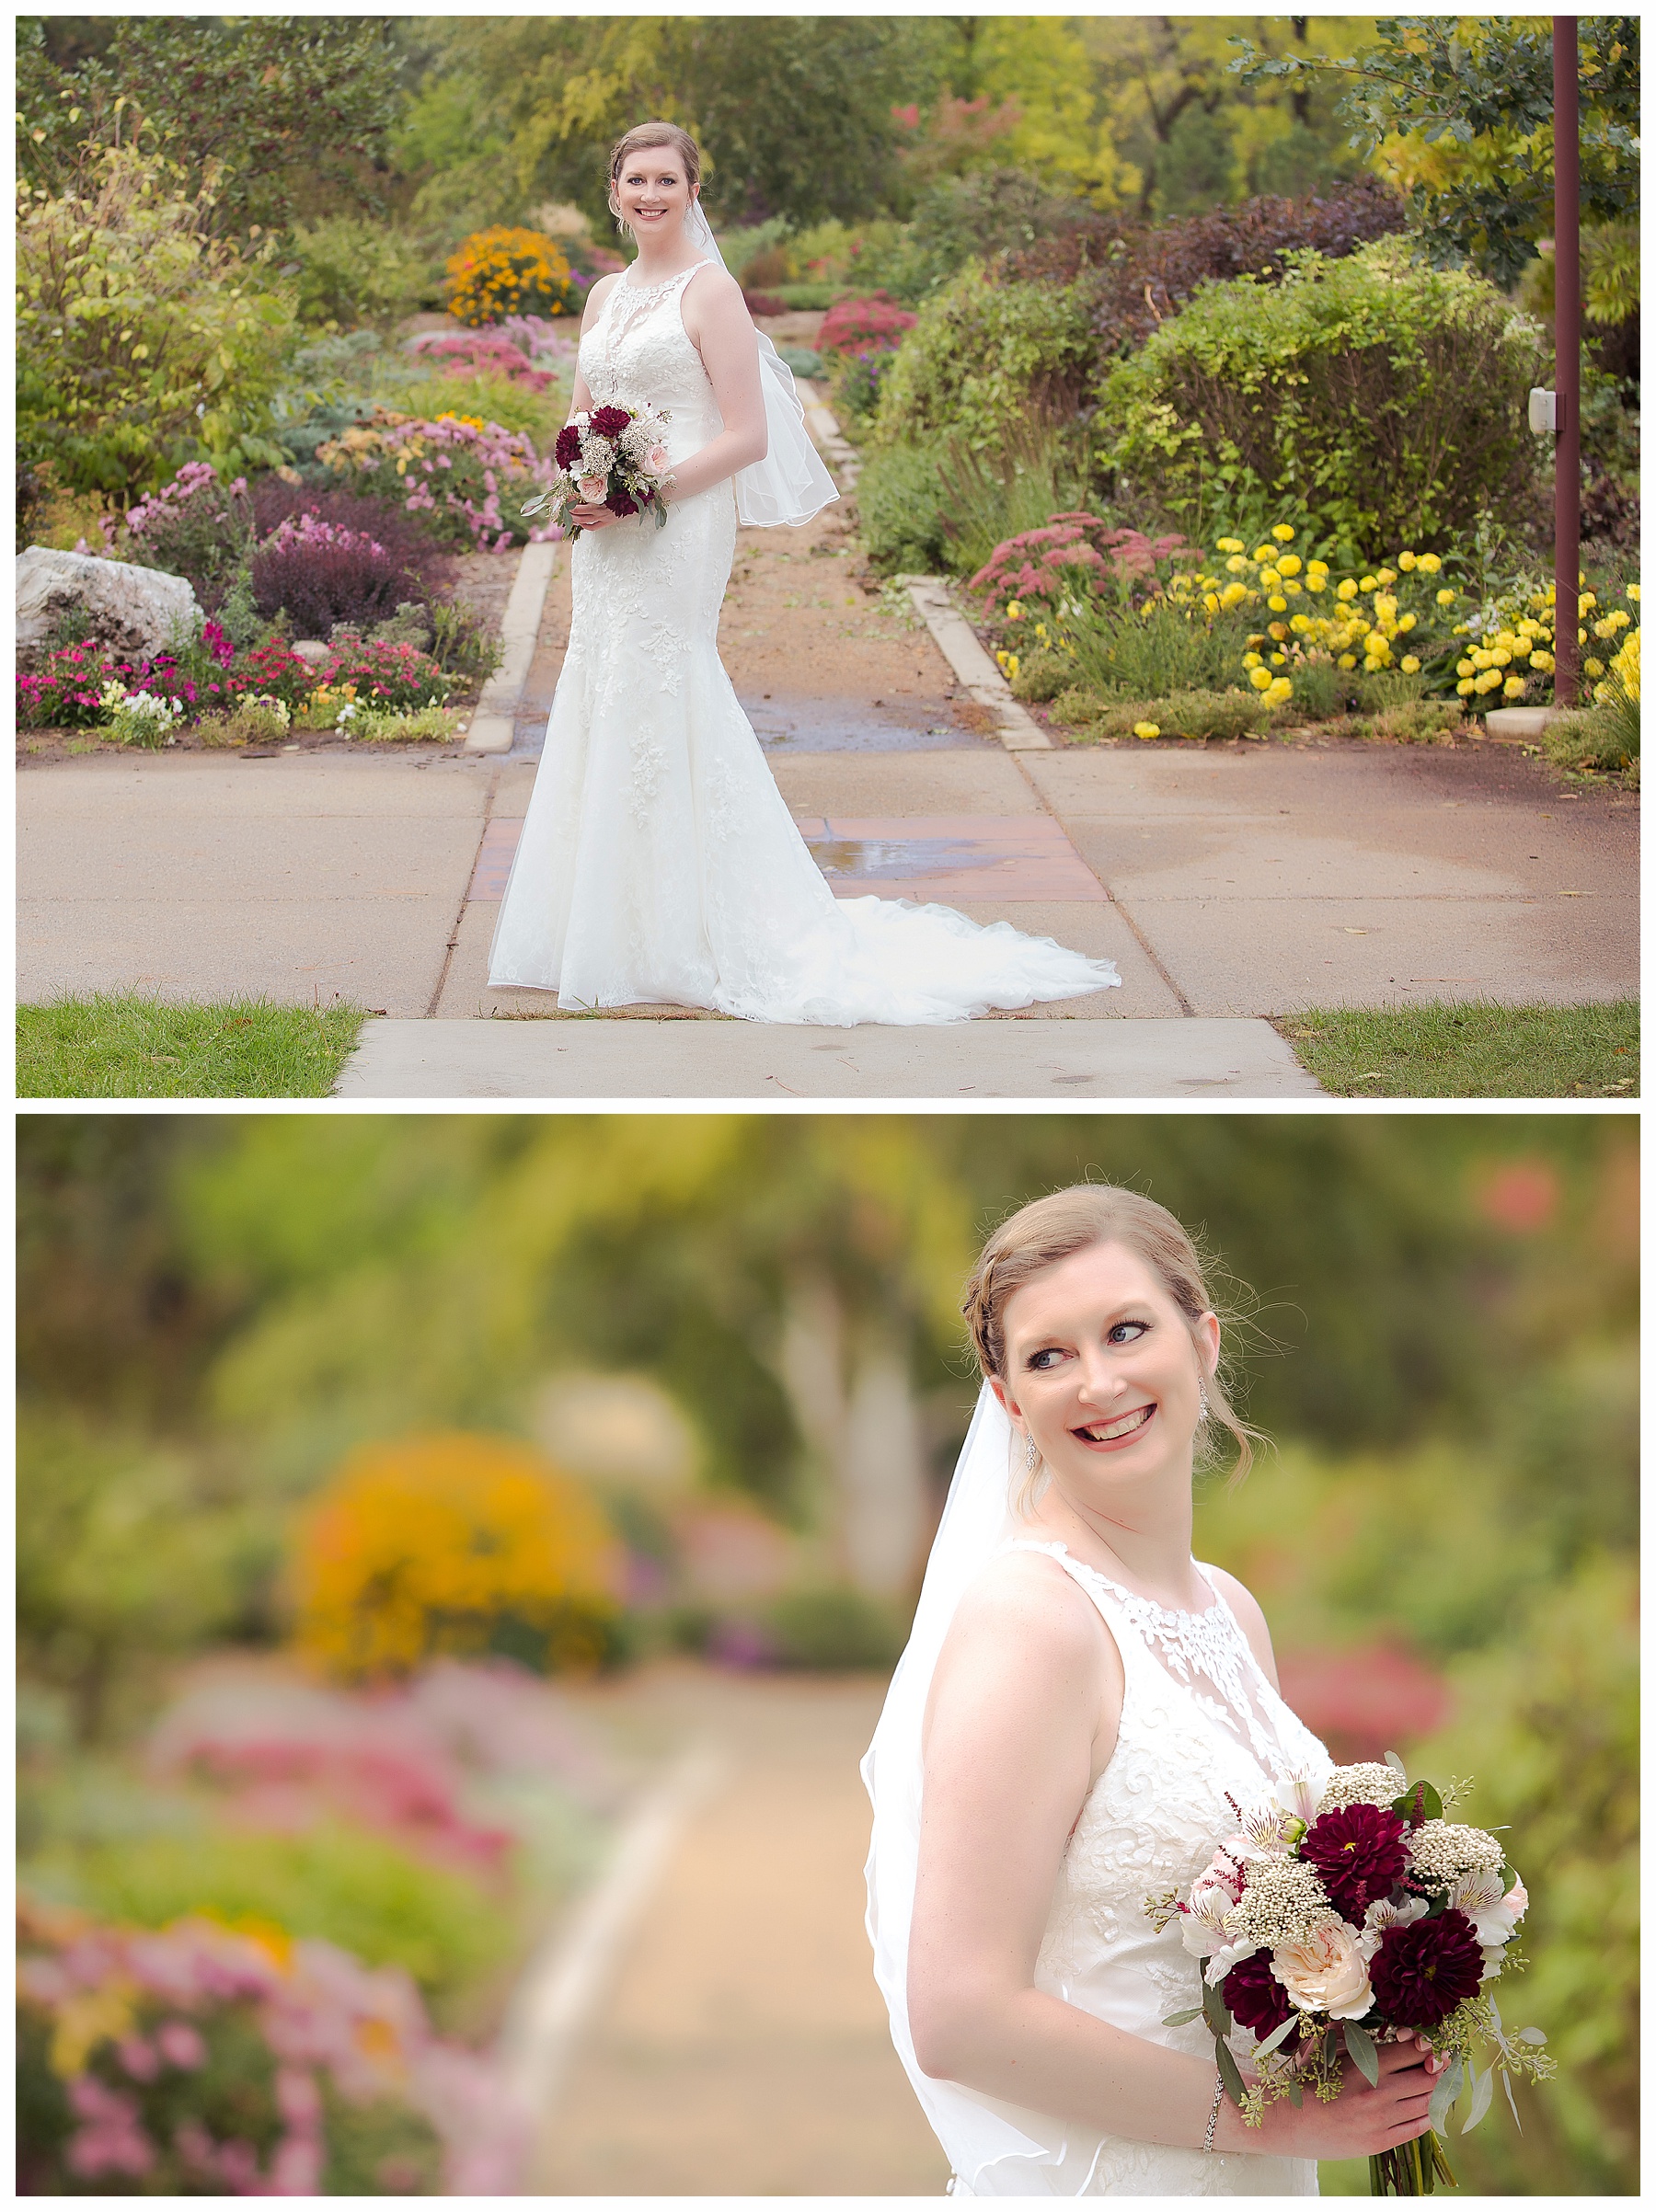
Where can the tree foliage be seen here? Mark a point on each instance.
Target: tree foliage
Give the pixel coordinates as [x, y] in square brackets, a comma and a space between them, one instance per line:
[1459, 108]
[288, 115]
[144, 340]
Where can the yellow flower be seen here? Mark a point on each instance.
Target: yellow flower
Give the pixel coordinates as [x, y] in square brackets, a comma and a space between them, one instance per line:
[1410, 664]
[1289, 565]
[1385, 607]
[1228, 544]
[1345, 588]
[1250, 660]
[1406, 560]
[1633, 593]
[1431, 563]
[1543, 661]
[1348, 660]
[1209, 599]
[1406, 622]
[1512, 688]
[1446, 598]
[1269, 579]
[1008, 665]
[1466, 687]
[1235, 563]
[1232, 594]
[1625, 666]
[1015, 610]
[1489, 682]
[1278, 630]
[1385, 575]
[1277, 604]
[1146, 730]
[1317, 583]
[1586, 601]
[1264, 553]
[1299, 621]
[1315, 568]
[1594, 668]
[1282, 532]
[1369, 583]
[1261, 679]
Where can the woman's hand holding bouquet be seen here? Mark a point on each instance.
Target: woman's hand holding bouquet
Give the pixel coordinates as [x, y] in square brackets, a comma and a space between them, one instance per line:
[1356, 1924]
[611, 463]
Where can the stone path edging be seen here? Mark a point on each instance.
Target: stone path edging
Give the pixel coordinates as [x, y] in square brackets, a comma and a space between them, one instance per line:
[974, 670]
[491, 721]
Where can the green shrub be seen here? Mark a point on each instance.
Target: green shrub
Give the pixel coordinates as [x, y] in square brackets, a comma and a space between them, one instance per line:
[1157, 651]
[143, 342]
[988, 496]
[836, 1629]
[342, 1884]
[353, 271]
[900, 510]
[1603, 738]
[1196, 714]
[984, 357]
[1371, 401]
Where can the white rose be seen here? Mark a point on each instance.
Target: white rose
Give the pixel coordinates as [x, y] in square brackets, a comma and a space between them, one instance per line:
[593, 489]
[656, 460]
[1326, 1972]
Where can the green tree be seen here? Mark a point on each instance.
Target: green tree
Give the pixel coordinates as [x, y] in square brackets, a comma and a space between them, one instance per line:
[794, 114]
[283, 116]
[1459, 110]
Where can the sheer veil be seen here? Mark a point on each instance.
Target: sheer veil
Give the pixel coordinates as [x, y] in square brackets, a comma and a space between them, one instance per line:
[976, 2131]
[790, 483]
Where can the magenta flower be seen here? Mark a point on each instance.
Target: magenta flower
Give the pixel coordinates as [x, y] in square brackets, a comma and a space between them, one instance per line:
[1359, 1854]
[1421, 1972]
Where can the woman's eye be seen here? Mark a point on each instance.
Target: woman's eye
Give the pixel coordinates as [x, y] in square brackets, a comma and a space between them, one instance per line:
[1128, 1332]
[1041, 1361]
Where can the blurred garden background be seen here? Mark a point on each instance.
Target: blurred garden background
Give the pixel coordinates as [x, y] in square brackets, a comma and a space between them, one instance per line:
[1198, 348]
[400, 1497]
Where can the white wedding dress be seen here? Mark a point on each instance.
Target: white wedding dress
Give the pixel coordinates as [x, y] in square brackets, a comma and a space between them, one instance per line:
[1199, 1720]
[658, 863]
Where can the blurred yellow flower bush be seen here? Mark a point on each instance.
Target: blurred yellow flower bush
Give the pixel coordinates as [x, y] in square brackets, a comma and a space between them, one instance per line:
[505, 270]
[459, 1544]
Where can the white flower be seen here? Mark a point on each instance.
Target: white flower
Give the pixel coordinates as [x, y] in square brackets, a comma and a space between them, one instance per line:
[1326, 1971]
[1494, 1918]
[1220, 1965]
[1212, 1893]
[1367, 1782]
[1297, 1794]
[1439, 1851]
[1381, 1915]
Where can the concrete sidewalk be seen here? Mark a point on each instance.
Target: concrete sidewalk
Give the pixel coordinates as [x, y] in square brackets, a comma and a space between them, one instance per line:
[713, 1059]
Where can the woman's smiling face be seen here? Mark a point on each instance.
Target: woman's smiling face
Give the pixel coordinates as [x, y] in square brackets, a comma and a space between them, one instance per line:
[653, 192]
[1102, 1370]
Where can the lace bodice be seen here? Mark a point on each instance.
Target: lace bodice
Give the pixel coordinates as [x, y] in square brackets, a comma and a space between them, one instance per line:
[639, 348]
[1199, 1719]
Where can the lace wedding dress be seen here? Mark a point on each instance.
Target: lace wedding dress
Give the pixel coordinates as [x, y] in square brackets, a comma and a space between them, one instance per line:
[658, 862]
[1199, 1719]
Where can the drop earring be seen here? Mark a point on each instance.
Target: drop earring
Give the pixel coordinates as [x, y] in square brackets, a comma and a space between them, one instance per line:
[1202, 1400]
[1031, 1454]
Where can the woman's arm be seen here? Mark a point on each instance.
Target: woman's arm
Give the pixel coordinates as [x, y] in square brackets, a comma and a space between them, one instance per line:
[719, 326]
[1023, 1714]
[580, 397]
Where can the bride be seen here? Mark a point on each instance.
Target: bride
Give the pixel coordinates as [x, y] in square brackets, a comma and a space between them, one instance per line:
[659, 862]
[1076, 1701]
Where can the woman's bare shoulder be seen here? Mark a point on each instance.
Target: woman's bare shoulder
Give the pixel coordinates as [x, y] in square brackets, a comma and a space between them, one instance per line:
[1025, 1606]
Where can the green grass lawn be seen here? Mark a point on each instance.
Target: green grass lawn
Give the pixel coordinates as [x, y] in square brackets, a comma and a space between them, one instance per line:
[124, 1045]
[1474, 1049]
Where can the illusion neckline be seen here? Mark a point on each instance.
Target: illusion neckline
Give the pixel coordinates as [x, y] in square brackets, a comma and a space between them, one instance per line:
[1167, 1613]
[643, 291]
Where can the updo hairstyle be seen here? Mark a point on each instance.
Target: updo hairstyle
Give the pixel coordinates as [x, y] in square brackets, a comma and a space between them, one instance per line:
[653, 135]
[1049, 1230]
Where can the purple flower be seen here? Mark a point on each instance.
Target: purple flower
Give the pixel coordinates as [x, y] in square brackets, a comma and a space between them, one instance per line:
[1255, 1997]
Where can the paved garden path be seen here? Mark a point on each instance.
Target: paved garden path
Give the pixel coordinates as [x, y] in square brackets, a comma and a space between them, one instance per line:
[738, 2044]
[1227, 883]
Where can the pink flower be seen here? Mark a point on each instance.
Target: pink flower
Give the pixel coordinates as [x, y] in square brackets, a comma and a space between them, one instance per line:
[657, 461]
[181, 2044]
[591, 489]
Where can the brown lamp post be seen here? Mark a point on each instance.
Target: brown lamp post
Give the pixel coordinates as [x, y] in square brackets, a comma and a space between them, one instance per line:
[1567, 326]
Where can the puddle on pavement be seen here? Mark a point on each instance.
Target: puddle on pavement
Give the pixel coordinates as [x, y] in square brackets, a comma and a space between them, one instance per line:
[887, 859]
[810, 725]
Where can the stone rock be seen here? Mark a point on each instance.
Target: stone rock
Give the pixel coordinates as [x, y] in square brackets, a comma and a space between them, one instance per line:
[311, 649]
[132, 609]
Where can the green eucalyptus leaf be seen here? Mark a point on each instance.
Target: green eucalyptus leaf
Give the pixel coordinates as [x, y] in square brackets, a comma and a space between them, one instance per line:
[1230, 2073]
[1178, 2020]
[1483, 2091]
[1277, 2037]
[1365, 2057]
[1448, 2086]
[1531, 2035]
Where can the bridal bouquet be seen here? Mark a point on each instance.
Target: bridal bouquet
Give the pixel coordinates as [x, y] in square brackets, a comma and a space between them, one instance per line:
[614, 457]
[1341, 1918]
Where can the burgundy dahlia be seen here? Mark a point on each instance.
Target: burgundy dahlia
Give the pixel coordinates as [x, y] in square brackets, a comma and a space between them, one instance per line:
[1358, 1854]
[568, 448]
[1256, 1999]
[1420, 1973]
[622, 503]
[609, 422]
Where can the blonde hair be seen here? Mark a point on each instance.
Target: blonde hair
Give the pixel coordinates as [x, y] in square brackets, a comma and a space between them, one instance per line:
[653, 135]
[1049, 1230]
